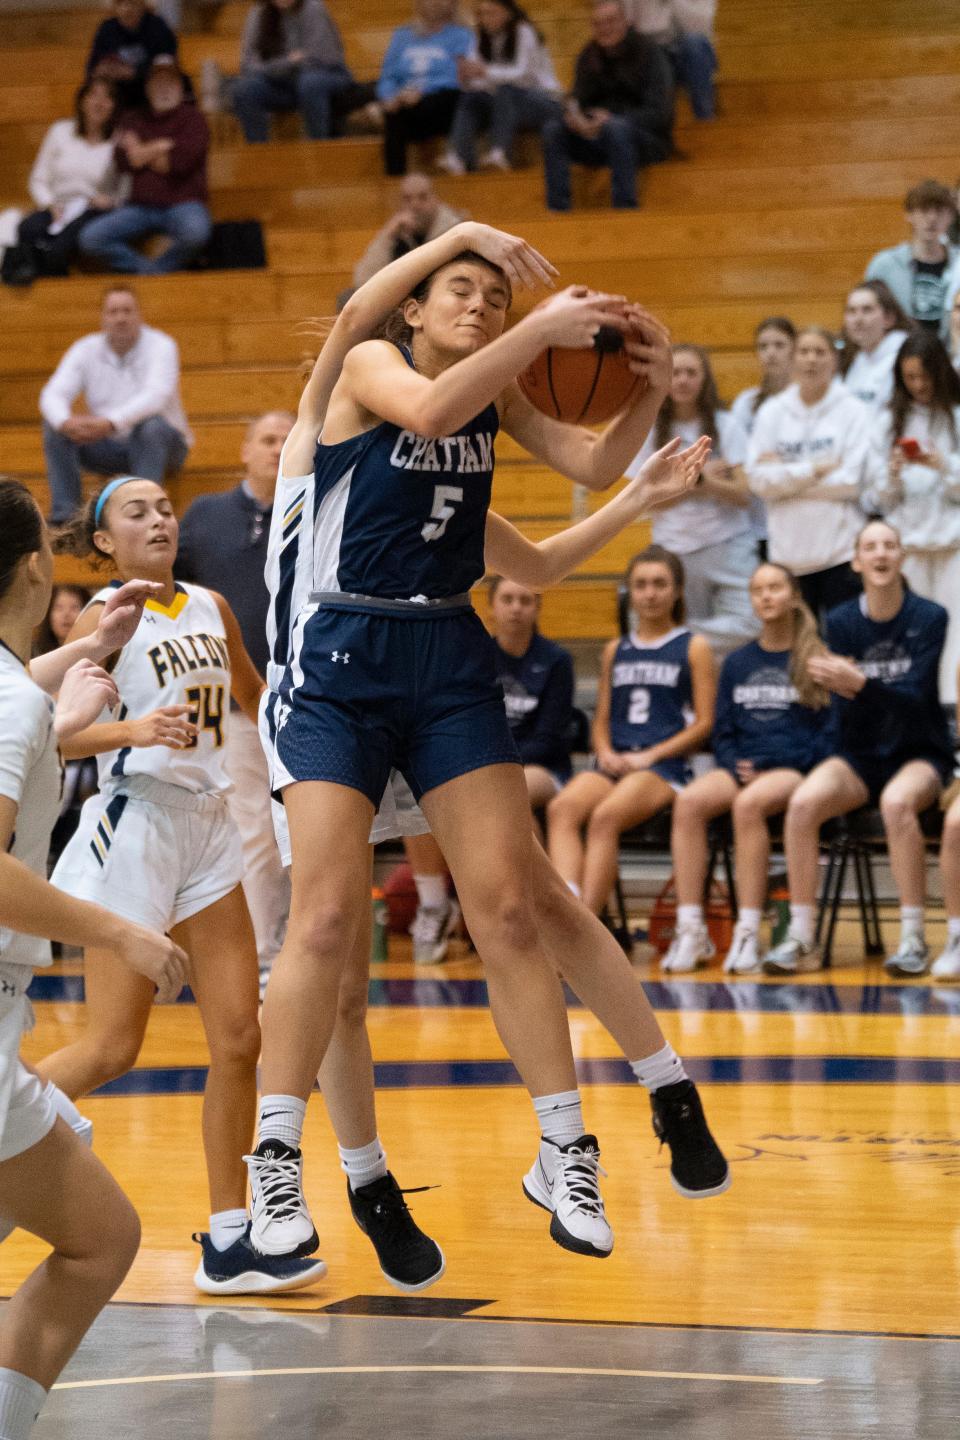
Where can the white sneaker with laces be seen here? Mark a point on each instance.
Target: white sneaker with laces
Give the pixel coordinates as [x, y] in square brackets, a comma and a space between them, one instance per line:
[793, 957]
[451, 164]
[743, 957]
[432, 928]
[280, 1222]
[947, 964]
[496, 159]
[690, 948]
[564, 1180]
[912, 957]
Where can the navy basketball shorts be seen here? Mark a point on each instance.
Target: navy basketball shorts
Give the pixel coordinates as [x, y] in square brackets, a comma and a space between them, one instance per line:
[876, 773]
[370, 690]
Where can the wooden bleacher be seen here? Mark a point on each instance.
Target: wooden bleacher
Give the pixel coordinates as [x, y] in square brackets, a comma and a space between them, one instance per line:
[831, 109]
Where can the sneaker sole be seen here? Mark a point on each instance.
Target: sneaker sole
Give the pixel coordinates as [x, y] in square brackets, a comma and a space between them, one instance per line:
[560, 1235]
[901, 974]
[405, 1285]
[770, 967]
[254, 1282]
[701, 1194]
[303, 1251]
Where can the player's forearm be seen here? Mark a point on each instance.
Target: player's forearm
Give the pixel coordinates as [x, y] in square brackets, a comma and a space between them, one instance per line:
[614, 448]
[377, 297]
[96, 740]
[564, 552]
[32, 906]
[48, 670]
[461, 392]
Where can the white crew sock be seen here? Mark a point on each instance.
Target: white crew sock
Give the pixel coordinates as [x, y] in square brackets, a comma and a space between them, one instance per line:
[689, 917]
[574, 888]
[953, 929]
[911, 922]
[364, 1165]
[65, 1108]
[281, 1118]
[21, 1400]
[560, 1116]
[802, 921]
[431, 891]
[226, 1226]
[748, 921]
[662, 1068]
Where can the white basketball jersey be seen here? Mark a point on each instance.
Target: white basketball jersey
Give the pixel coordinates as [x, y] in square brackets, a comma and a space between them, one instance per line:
[178, 656]
[289, 567]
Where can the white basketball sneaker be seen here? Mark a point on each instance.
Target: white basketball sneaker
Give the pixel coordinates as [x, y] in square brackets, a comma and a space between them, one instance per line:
[432, 927]
[912, 957]
[947, 964]
[280, 1222]
[743, 957]
[564, 1180]
[690, 948]
[793, 957]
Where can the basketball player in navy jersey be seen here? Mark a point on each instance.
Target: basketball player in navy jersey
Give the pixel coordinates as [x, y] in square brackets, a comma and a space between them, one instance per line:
[389, 665]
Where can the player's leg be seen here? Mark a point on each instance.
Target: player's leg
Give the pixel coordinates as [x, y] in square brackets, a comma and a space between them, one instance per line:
[542, 787]
[947, 965]
[695, 806]
[117, 1008]
[768, 794]
[438, 913]
[634, 799]
[567, 816]
[912, 790]
[833, 788]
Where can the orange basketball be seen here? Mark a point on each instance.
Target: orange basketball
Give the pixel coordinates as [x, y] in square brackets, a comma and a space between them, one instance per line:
[582, 387]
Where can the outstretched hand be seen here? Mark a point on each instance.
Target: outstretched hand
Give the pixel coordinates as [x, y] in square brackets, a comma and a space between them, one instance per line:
[670, 473]
[121, 614]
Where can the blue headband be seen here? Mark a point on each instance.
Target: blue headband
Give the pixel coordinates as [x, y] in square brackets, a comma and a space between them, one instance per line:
[107, 491]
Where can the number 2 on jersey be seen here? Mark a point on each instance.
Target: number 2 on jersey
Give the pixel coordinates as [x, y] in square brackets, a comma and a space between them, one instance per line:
[639, 707]
[207, 712]
[445, 498]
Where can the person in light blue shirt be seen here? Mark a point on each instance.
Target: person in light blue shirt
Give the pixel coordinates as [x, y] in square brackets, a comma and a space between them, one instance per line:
[419, 83]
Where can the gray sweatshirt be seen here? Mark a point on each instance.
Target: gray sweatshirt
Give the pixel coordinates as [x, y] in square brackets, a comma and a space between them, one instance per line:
[308, 28]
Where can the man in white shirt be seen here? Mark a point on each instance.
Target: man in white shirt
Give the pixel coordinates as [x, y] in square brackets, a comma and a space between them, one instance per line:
[129, 376]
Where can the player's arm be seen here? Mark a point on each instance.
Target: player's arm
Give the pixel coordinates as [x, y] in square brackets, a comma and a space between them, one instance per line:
[661, 480]
[246, 685]
[374, 301]
[600, 729]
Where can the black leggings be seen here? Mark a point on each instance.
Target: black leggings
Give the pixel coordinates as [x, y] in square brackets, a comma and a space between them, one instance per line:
[431, 116]
[52, 253]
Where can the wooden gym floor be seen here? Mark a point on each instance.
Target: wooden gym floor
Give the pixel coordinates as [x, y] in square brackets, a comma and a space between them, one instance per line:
[818, 1298]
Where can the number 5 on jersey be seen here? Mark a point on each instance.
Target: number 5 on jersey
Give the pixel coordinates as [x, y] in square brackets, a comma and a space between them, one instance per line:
[445, 498]
[206, 703]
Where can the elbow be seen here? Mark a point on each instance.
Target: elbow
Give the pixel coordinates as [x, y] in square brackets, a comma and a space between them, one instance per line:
[436, 420]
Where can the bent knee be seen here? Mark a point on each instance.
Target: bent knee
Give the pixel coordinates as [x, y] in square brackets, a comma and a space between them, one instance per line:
[237, 1045]
[509, 923]
[899, 812]
[322, 929]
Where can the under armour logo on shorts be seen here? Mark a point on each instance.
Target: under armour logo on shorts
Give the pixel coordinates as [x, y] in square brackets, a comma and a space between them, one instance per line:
[6, 988]
[345, 657]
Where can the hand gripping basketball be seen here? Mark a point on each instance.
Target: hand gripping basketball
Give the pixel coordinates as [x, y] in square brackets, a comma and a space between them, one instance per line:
[585, 386]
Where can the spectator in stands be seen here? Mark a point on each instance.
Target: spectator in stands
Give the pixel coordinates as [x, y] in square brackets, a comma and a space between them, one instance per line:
[710, 526]
[807, 461]
[538, 683]
[510, 85]
[421, 216]
[291, 58]
[125, 46]
[129, 376]
[164, 148]
[74, 179]
[651, 683]
[893, 747]
[684, 30]
[918, 272]
[419, 83]
[947, 964]
[776, 340]
[954, 340]
[874, 328]
[66, 603]
[223, 545]
[773, 724]
[916, 481]
[620, 113]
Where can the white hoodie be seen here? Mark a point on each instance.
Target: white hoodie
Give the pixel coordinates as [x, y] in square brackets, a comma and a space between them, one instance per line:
[812, 524]
[925, 507]
[870, 377]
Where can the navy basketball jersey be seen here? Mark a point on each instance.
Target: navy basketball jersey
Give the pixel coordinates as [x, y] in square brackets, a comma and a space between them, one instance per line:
[401, 516]
[650, 692]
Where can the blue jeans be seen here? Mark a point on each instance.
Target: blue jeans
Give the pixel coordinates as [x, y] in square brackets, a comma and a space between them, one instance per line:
[501, 112]
[110, 238]
[153, 449]
[694, 63]
[621, 144]
[255, 95]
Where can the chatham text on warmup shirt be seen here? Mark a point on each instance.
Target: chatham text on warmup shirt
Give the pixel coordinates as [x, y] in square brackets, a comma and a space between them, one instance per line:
[760, 717]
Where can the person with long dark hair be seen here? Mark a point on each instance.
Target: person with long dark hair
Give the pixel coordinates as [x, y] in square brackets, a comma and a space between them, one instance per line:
[775, 341]
[509, 85]
[874, 327]
[916, 480]
[291, 58]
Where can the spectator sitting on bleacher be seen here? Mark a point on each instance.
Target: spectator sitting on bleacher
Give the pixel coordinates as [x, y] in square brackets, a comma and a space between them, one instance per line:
[74, 179]
[419, 83]
[773, 724]
[807, 461]
[710, 527]
[537, 679]
[874, 328]
[893, 747]
[164, 148]
[776, 341]
[125, 46]
[421, 216]
[919, 271]
[684, 30]
[915, 481]
[651, 683]
[291, 58]
[947, 964]
[953, 344]
[620, 113]
[509, 85]
[129, 376]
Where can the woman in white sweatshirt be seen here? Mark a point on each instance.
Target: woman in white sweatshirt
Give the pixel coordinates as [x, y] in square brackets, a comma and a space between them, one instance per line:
[74, 179]
[915, 481]
[807, 460]
[874, 328]
[509, 85]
